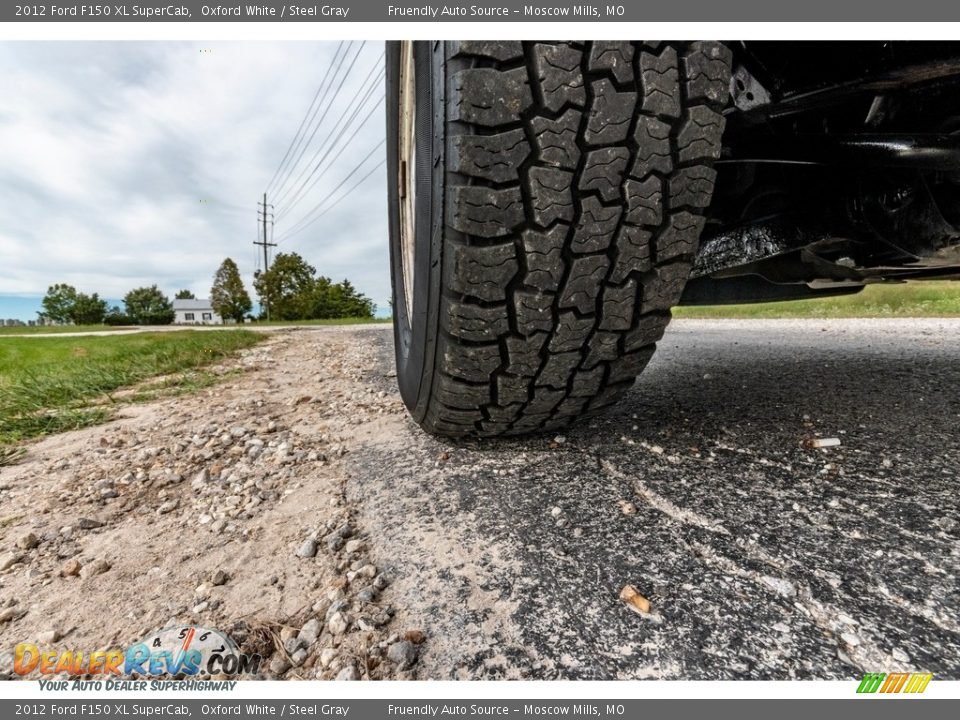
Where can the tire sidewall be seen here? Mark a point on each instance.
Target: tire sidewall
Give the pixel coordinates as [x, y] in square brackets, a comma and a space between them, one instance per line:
[415, 329]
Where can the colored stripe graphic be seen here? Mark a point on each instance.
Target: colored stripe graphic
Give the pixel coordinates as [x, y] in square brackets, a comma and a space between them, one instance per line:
[893, 683]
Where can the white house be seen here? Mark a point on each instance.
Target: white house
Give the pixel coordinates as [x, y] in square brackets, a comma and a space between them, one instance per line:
[194, 312]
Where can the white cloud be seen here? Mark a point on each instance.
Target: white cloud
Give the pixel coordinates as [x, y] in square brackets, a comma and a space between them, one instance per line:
[133, 163]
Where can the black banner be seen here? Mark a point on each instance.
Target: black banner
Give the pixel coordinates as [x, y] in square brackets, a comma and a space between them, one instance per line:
[853, 709]
[487, 11]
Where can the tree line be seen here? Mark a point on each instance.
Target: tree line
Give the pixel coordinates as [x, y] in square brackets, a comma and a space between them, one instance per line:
[289, 290]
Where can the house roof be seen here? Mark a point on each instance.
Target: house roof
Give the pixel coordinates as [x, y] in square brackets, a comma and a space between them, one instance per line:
[200, 304]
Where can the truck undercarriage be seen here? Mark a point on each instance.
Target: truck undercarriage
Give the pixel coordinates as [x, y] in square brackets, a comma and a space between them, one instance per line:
[840, 166]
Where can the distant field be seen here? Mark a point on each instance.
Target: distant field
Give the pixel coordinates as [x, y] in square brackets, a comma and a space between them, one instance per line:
[62, 383]
[55, 329]
[921, 299]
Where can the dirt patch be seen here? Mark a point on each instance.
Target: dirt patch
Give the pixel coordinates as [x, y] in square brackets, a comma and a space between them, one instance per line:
[224, 509]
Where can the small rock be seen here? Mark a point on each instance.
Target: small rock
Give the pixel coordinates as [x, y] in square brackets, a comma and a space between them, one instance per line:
[327, 656]
[380, 582]
[415, 636]
[28, 541]
[298, 657]
[220, 578]
[367, 595]
[555, 511]
[8, 560]
[348, 673]
[48, 637]
[779, 585]
[334, 542]
[88, 524]
[900, 656]
[850, 639]
[71, 568]
[308, 549]
[353, 546]
[403, 653]
[279, 665]
[97, 567]
[627, 507]
[310, 632]
[7, 614]
[338, 623]
[168, 506]
[366, 624]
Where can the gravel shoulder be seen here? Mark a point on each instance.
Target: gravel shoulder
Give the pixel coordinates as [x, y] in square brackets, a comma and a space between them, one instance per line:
[297, 507]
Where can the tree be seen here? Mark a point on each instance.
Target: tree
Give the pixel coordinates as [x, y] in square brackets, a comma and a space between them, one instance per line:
[115, 316]
[286, 288]
[293, 292]
[354, 303]
[88, 310]
[59, 301]
[184, 295]
[148, 306]
[338, 300]
[228, 296]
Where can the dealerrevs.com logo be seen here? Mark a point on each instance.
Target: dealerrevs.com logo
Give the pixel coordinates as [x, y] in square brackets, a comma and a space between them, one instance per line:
[182, 651]
[909, 683]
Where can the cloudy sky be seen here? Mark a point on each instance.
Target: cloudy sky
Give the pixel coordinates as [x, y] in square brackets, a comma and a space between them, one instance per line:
[128, 164]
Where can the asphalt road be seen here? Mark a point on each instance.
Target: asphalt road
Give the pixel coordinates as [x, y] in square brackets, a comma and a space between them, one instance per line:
[760, 557]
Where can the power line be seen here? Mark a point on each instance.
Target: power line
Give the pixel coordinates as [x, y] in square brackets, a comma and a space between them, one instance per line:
[336, 157]
[296, 225]
[369, 84]
[297, 137]
[359, 106]
[304, 225]
[279, 193]
[339, 199]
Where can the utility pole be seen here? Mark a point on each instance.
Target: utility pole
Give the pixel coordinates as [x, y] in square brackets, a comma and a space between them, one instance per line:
[266, 216]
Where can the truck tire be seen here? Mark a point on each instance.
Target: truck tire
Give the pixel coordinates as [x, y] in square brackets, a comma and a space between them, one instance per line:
[546, 203]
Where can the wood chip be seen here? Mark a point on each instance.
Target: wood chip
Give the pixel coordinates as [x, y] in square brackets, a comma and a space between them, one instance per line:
[634, 600]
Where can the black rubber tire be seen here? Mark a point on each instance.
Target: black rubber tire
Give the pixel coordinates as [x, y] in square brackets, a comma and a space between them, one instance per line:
[560, 197]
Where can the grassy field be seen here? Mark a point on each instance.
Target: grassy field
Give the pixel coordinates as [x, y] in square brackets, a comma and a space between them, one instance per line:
[60, 383]
[921, 299]
[329, 321]
[57, 329]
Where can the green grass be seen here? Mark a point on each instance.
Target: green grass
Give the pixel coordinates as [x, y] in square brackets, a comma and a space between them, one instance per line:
[329, 321]
[51, 384]
[57, 329]
[939, 298]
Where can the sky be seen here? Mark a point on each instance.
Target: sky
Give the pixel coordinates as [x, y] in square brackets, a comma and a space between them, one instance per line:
[141, 163]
